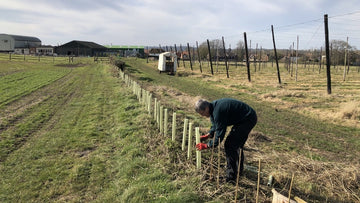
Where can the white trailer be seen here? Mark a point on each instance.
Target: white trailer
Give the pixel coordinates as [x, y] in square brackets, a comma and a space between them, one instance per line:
[167, 62]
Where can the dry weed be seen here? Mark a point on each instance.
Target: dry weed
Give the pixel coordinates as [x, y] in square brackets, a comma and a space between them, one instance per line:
[350, 110]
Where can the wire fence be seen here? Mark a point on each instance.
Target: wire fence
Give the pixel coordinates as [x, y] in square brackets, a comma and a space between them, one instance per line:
[49, 59]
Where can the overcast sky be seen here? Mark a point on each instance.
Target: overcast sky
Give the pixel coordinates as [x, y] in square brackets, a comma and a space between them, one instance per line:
[169, 22]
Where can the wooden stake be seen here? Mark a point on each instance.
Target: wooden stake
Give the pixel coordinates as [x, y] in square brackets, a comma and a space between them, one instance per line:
[297, 51]
[238, 174]
[258, 183]
[198, 52]
[276, 57]
[211, 158]
[328, 74]
[226, 64]
[247, 58]
[189, 56]
[218, 172]
[208, 43]
[346, 50]
[291, 183]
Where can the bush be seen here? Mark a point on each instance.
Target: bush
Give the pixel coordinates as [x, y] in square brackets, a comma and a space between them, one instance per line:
[120, 64]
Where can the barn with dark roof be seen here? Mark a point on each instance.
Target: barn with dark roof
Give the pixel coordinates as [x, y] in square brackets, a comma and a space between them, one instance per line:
[81, 48]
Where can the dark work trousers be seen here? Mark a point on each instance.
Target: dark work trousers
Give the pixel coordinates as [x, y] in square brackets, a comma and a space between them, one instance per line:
[233, 143]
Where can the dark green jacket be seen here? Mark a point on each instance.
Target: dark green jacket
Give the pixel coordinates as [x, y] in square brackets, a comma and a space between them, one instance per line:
[226, 112]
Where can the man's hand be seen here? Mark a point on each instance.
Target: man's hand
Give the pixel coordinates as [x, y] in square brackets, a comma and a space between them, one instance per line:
[201, 146]
[204, 137]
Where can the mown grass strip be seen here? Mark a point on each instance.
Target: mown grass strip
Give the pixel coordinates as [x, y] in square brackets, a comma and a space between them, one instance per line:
[94, 148]
[18, 84]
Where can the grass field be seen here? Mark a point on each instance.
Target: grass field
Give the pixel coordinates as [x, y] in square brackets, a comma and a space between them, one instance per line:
[78, 136]
[76, 133]
[301, 128]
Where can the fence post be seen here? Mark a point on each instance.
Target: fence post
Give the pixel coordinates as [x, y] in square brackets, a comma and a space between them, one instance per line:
[276, 57]
[247, 58]
[208, 43]
[327, 54]
[189, 56]
[226, 63]
[182, 56]
[198, 52]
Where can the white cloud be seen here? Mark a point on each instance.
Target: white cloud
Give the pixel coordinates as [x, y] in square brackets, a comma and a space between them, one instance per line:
[150, 22]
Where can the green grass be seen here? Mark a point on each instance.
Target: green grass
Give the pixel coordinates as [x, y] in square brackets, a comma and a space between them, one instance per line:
[82, 136]
[18, 84]
[81, 145]
[284, 124]
[296, 137]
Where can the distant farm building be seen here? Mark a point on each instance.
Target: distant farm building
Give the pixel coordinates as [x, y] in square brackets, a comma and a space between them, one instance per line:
[155, 52]
[19, 44]
[81, 48]
[44, 50]
[125, 51]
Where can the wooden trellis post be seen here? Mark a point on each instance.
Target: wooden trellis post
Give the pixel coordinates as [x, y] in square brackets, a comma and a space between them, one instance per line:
[247, 57]
[208, 43]
[276, 57]
[328, 75]
[198, 52]
[189, 56]
[226, 63]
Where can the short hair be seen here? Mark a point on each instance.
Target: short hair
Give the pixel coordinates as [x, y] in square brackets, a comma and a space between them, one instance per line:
[201, 105]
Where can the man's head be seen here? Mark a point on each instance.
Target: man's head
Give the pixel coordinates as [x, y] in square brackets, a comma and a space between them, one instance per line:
[202, 107]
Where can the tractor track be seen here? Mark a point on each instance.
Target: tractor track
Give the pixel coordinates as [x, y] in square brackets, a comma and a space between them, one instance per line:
[48, 100]
[15, 111]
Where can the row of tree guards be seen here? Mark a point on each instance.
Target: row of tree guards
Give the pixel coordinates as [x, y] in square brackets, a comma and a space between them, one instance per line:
[160, 114]
[327, 48]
